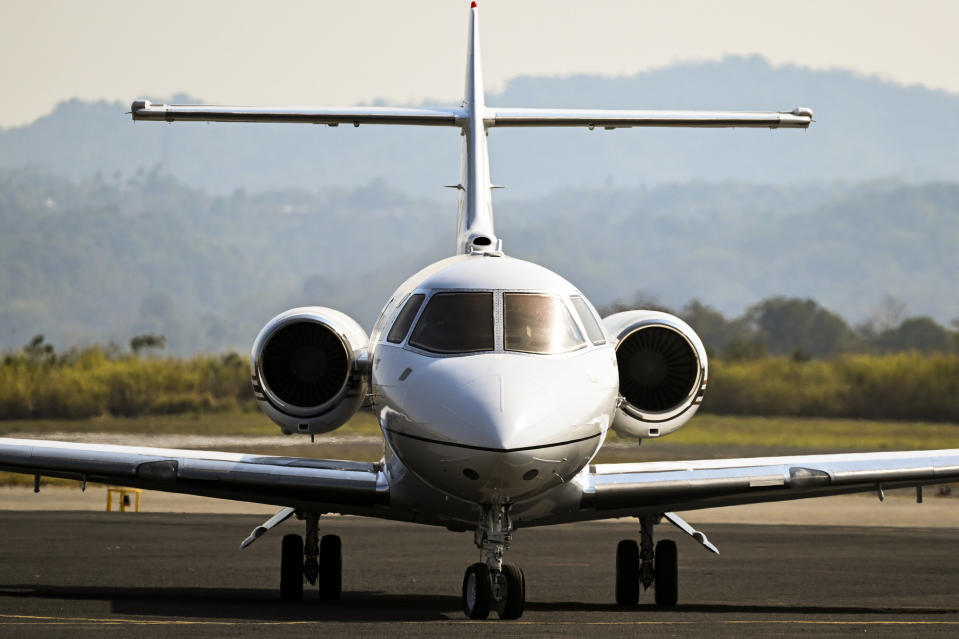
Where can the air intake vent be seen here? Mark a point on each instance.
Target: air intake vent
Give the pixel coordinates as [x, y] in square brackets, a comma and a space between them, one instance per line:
[657, 368]
[305, 364]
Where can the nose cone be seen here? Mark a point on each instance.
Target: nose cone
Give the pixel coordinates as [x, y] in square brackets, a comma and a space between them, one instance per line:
[502, 426]
[503, 402]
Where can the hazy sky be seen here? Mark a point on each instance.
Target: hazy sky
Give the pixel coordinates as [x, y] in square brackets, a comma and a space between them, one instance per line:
[339, 53]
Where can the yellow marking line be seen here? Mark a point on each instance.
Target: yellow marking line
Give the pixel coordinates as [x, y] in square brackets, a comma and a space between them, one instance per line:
[20, 620]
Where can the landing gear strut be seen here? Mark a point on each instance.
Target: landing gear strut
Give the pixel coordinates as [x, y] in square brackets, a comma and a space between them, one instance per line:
[318, 561]
[493, 585]
[647, 565]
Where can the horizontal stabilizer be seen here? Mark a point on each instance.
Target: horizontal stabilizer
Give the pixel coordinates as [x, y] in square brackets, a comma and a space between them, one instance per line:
[146, 110]
[798, 118]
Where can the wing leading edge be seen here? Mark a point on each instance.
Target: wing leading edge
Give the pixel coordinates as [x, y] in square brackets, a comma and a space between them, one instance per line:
[316, 484]
[655, 487]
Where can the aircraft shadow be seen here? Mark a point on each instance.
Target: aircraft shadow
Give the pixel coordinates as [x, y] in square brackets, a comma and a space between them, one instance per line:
[261, 604]
[364, 606]
[735, 609]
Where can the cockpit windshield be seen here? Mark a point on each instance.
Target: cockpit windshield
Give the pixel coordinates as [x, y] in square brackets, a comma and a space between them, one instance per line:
[536, 323]
[456, 323]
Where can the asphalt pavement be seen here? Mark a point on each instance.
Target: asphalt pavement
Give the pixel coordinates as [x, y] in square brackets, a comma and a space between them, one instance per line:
[81, 574]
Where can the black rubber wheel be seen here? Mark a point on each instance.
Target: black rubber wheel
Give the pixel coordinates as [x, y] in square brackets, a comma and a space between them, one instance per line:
[627, 573]
[477, 591]
[514, 603]
[667, 573]
[291, 568]
[331, 568]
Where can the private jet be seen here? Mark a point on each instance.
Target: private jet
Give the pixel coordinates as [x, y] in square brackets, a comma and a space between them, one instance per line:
[494, 382]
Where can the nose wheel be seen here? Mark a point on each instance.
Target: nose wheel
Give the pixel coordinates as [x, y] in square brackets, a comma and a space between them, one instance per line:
[503, 591]
[493, 585]
[477, 591]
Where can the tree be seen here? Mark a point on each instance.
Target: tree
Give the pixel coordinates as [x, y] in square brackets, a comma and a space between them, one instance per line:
[37, 349]
[790, 325]
[732, 338]
[921, 334]
[146, 342]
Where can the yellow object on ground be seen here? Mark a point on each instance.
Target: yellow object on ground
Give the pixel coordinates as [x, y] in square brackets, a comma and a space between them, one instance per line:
[124, 494]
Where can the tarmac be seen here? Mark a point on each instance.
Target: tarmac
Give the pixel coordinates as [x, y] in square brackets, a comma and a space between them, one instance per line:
[79, 574]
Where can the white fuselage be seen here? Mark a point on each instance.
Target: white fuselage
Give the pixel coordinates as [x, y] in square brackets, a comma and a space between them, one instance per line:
[495, 422]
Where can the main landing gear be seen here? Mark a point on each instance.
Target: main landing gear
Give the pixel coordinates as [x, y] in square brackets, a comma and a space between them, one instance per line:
[318, 561]
[652, 566]
[647, 565]
[493, 585]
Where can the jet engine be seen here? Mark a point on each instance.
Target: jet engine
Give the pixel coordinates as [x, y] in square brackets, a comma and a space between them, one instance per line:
[662, 372]
[309, 369]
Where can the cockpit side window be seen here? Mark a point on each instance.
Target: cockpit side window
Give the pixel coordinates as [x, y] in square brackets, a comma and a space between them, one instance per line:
[456, 323]
[535, 323]
[593, 330]
[405, 319]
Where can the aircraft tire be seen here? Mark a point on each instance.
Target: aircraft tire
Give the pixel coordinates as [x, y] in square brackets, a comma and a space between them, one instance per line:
[477, 591]
[627, 573]
[291, 568]
[331, 568]
[667, 573]
[514, 603]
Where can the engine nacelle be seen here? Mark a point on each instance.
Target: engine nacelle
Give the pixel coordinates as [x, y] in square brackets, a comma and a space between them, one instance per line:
[308, 369]
[662, 372]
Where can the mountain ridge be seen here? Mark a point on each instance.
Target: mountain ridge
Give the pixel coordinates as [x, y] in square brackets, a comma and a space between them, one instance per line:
[106, 259]
[866, 128]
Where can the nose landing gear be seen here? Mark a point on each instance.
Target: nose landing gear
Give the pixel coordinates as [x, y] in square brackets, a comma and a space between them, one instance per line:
[494, 585]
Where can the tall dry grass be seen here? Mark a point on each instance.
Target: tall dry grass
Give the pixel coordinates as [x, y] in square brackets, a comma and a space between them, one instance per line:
[95, 381]
[900, 386]
[99, 381]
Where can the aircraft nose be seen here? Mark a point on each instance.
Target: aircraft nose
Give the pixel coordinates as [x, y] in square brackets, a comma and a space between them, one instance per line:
[500, 426]
[500, 407]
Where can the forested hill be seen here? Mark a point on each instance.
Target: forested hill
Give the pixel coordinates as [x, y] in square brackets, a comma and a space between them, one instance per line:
[865, 129]
[110, 258]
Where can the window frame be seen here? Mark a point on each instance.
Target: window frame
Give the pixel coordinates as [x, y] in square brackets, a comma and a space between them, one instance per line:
[494, 319]
[565, 304]
[592, 314]
[499, 336]
[412, 318]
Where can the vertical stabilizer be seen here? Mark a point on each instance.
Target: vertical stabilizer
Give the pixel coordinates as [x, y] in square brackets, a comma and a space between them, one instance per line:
[475, 227]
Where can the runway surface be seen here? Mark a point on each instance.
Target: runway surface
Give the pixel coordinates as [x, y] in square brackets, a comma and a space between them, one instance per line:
[82, 574]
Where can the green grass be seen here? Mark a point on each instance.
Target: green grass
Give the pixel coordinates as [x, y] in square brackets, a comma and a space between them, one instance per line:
[702, 430]
[237, 423]
[814, 433]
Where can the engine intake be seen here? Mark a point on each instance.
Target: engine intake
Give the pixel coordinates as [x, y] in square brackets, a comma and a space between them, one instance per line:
[662, 372]
[306, 369]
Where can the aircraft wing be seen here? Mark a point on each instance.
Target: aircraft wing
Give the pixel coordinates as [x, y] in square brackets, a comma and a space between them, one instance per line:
[341, 486]
[146, 110]
[657, 487]
[798, 118]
